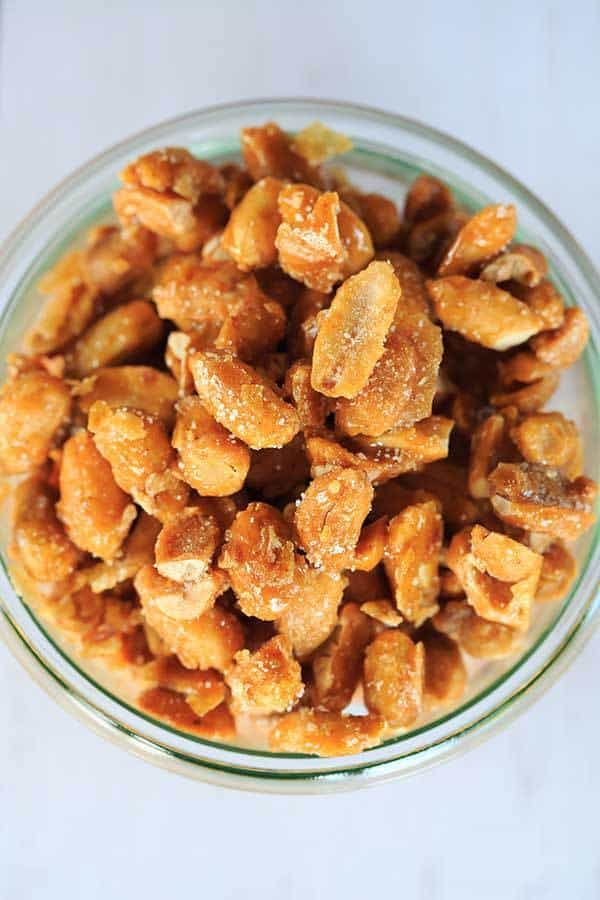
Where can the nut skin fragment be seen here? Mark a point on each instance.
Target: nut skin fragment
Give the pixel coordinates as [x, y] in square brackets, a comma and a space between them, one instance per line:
[499, 575]
[412, 558]
[122, 334]
[541, 499]
[521, 263]
[477, 636]
[559, 570]
[445, 673]
[34, 409]
[39, 540]
[482, 312]
[352, 332]
[211, 460]
[186, 545]
[337, 665]
[330, 515]
[394, 671]
[137, 387]
[563, 346]
[483, 236]
[243, 401]
[96, 513]
[266, 681]
[322, 733]
[249, 237]
[141, 457]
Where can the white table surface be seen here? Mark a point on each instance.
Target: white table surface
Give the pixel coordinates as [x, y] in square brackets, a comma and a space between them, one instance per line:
[516, 818]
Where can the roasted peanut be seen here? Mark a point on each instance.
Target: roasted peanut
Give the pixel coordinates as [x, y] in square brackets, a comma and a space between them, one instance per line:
[114, 257]
[317, 143]
[563, 346]
[546, 438]
[337, 665]
[394, 678]
[445, 673]
[39, 540]
[311, 615]
[34, 410]
[135, 387]
[70, 306]
[267, 681]
[312, 407]
[426, 197]
[543, 299]
[325, 733]
[186, 545]
[249, 237]
[483, 236]
[383, 611]
[136, 552]
[412, 557]
[370, 547]
[477, 636]
[559, 570]
[521, 263]
[267, 150]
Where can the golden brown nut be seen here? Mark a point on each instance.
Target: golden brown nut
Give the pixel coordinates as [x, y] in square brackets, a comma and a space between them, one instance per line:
[330, 515]
[426, 440]
[136, 552]
[311, 615]
[414, 298]
[426, 197]
[114, 257]
[521, 263]
[445, 673]
[428, 239]
[477, 636]
[324, 733]
[136, 387]
[539, 498]
[544, 300]
[383, 611]
[482, 312]
[312, 407]
[412, 558]
[179, 350]
[260, 558]
[499, 575]
[370, 548]
[279, 470]
[352, 332]
[320, 239]
[96, 513]
[302, 330]
[483, 236]
[141, 457]
[39, 540]
[69, 309]
[378, 463]
[559, 570]
[546, 438]
[448, 482]
[394, 678]
[317, 143]
[267, 150]
[267, 681]
[34, 409]
[488, 443]
[524, 367]
[122, 334]
[249, 237]
[204, 689]
[211, 460]
[186, 545]
[337, 665]
[530, 397]
[563, 346]
[243, 401]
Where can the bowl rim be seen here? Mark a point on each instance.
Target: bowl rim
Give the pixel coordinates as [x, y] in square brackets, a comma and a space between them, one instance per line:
[375, 771]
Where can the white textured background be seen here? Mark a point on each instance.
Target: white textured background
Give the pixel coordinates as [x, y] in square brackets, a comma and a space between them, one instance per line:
[516, 818]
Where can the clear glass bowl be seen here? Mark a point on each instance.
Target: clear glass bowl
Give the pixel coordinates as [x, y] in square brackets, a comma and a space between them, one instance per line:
[389, 152]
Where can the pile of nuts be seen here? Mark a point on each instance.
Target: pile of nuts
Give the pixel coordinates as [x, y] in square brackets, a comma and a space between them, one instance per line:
[281, 450]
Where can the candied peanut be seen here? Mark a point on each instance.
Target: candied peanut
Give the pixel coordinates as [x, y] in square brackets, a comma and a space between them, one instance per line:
[122, 334]
[272, 366]
[140, 455]
[180, 710]
[208, 641]
[173, 169]
[182, 601]
[304, 322]
[267, 150]
[521, 263]
[196, 293]
[370, 547]
[34, 410]
[499, 575]
[237, 181]
[543, 299]
[529, 398]
[546, 438]
[317, 143]
[211, 460]
[249, 236]
[267, 681]
[39, 540]
[379, 464]
[484, 235]
[539, 498]
[412, 558]
[180, 348]
[312, 407]
[252, 328]
[352, 332]
[320, 239]
[260, 558]
[559, 571]
[243, 401]
[186, 545]
[337, 665]
[401, 387]
[445, 673]
[448, 482]
[311, 616]
[279, 470]
[488, 444]
[482, 312]
[365, 586]
[414, 297]
[394, 677]
[382, 611]
[523, 366]
[137, 551]
[427, 440]
[563, 346]
[428, 239]
[203, 689]
[115, 257]
[71, 305]
[96, 513]
[426, 197]
[330, 515]
[136, 387]
[324, 733]
[380, 215]
[477, 636]
[450, 586]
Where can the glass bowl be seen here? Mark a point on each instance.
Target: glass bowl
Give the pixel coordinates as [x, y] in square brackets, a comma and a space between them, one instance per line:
[389, 152]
